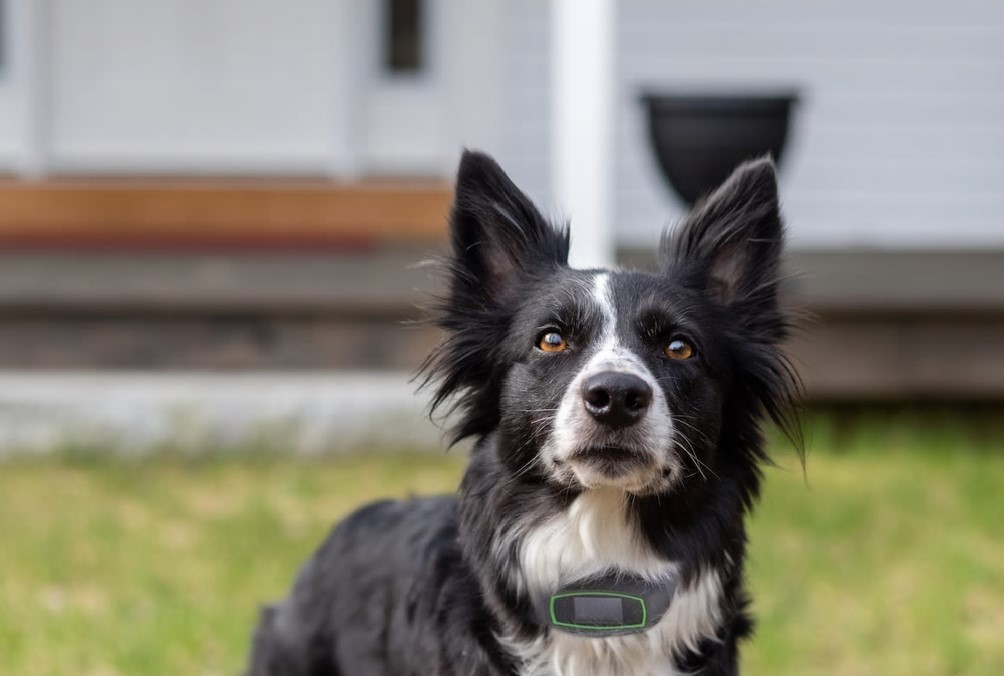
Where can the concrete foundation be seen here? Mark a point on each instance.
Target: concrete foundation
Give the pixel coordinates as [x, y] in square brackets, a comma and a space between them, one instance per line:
[134, 412]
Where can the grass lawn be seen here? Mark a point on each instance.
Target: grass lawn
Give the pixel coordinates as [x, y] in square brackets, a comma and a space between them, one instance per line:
[889, 559]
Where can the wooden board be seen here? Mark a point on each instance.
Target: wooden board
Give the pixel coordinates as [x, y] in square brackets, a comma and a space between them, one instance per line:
[218, 214]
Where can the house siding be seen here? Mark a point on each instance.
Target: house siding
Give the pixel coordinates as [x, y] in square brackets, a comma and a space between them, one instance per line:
[189, 86]
[898, 140]
[525, 137]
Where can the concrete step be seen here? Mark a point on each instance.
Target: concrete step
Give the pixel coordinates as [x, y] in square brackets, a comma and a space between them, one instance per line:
[137, 412]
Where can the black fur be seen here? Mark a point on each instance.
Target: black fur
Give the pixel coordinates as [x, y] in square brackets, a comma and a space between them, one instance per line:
[422, 587]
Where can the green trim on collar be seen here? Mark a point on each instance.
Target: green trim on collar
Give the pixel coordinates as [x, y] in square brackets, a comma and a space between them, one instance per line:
[612, 604]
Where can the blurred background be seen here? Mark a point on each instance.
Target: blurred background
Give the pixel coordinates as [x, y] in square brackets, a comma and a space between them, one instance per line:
[210, 216]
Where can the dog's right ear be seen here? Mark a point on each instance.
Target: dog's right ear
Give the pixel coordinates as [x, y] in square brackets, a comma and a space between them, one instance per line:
[498, 235]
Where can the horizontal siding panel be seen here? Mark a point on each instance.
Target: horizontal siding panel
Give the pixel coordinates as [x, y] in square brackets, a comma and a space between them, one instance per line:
[979, 109]
[961, 186]
[899, 136]
[928, 144]
[885, 42]
[922, 205]
[816, 13]
[525, 146]
[699, 72]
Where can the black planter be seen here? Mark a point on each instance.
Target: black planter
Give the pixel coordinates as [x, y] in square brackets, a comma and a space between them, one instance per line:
[699, 140]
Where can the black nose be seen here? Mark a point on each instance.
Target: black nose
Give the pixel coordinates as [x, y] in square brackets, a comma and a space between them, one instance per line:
[616, 399]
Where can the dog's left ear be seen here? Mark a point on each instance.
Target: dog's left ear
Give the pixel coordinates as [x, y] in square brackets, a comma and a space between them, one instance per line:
[729, 248]
[734, 237]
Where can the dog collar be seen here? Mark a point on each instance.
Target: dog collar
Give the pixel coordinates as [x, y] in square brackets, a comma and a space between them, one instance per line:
[612, 604]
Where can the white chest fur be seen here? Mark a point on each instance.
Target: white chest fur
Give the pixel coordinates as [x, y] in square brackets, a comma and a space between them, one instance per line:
[591, 536]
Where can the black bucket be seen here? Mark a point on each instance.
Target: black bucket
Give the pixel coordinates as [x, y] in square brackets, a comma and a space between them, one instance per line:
[699, 140]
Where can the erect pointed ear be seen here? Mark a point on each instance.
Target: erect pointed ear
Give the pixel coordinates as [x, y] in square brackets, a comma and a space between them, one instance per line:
[497, 233]
[499, 239]
[734, 236]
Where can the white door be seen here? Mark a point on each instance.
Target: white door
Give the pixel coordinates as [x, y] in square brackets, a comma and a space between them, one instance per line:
[404, 90]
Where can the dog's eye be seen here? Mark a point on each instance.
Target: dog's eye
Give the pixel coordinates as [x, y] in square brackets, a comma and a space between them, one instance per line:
[552, 341]
[679, 349]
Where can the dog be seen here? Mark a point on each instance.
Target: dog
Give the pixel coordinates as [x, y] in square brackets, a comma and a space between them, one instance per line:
[599, 527]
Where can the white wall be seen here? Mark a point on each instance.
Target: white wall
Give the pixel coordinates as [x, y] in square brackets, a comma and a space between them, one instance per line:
[192, 85]
[899, 141]
[474, 59]
[262, 87]
[525, 111]
[18, 115]
[420, 123]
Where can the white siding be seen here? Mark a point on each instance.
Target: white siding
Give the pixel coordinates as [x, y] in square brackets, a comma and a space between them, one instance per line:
[899, 140]
[254, 86]
[525, 140]
[238, 86]
[475, 58]
[20, 120]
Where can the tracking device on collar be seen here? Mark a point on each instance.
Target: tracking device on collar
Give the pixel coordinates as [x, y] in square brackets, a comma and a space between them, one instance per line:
[608, 605]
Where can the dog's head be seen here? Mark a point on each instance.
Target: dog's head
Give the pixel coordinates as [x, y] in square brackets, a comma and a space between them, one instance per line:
[597, 378]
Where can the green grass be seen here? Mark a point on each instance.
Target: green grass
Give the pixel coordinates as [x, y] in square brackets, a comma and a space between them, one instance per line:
[889, 559]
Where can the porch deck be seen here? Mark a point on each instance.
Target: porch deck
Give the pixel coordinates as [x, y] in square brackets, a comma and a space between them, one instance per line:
[218, 214]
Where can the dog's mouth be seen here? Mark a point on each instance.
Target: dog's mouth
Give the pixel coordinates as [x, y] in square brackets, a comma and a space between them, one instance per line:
[613, 462]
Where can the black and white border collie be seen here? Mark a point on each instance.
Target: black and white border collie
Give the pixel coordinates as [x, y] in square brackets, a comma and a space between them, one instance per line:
[617, 425]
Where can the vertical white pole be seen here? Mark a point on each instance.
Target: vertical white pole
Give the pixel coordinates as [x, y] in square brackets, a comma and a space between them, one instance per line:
[582, 104]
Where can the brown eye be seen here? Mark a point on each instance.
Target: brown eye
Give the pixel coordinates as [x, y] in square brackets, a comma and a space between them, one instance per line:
[679, 349]
[552, 342]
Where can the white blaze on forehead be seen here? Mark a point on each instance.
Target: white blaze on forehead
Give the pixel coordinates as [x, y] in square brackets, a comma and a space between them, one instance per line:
[604, 299]
[610, 353]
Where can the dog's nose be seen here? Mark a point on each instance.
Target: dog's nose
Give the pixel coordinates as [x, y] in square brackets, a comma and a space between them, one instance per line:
[616, 399]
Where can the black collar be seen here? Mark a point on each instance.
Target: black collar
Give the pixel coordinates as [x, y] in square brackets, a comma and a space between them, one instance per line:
[611, 604]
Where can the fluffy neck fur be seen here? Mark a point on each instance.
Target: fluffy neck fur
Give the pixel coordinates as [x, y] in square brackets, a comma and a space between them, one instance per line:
[524, 538]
